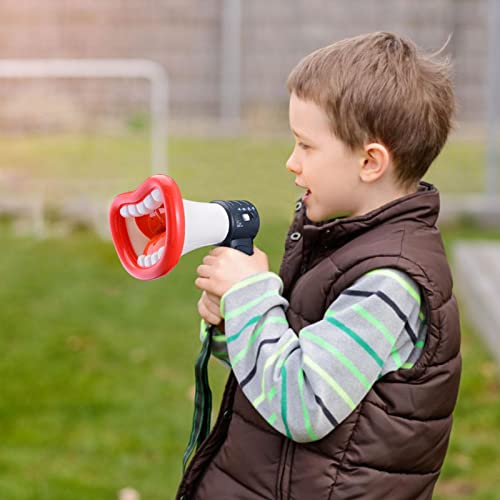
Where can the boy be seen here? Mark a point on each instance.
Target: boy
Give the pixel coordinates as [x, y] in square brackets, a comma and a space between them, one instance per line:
[345, 367]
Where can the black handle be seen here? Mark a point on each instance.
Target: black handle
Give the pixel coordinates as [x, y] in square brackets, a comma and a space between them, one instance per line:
[244, 245]
[244, 223]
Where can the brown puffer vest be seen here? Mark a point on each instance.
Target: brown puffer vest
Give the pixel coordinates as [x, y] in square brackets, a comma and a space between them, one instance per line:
[393, 445]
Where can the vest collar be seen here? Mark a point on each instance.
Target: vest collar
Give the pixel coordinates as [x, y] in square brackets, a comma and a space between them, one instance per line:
[422, 205]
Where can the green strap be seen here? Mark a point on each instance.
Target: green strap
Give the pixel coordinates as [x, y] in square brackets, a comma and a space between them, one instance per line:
[202, 399]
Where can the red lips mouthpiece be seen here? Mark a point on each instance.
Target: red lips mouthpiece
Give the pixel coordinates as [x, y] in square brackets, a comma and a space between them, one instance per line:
[148, 227]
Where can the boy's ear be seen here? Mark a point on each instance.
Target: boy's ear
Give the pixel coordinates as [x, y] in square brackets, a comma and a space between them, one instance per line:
[375, 162]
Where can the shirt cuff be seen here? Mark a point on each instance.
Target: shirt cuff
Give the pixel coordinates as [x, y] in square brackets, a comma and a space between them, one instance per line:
[248, 283]
[203, 330]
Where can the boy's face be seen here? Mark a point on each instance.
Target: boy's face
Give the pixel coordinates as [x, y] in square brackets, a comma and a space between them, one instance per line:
[322, 164]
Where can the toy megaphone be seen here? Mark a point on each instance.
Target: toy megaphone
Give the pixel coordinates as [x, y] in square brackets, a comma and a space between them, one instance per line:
[153, 226]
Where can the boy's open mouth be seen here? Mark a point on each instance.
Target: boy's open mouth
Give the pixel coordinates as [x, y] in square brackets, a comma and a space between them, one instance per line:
[147, 226]
[306, 195]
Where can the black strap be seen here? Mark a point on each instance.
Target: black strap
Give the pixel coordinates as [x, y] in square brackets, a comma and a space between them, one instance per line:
[202, 399]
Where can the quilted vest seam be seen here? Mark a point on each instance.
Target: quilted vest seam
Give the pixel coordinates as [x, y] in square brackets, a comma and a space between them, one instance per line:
[385, 471]
[255, 426]
[245, 485]
[341, 463]
[394, 415]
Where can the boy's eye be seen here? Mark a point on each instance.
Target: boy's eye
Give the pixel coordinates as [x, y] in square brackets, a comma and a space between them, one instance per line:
[303, 146]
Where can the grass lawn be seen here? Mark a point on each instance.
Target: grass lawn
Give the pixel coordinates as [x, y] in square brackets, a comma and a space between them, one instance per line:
[97, 368]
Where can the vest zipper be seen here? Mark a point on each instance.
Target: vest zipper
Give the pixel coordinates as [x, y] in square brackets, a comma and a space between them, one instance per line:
[283, 492]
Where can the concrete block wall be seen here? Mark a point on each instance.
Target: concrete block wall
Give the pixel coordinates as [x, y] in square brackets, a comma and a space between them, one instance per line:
[185, 37]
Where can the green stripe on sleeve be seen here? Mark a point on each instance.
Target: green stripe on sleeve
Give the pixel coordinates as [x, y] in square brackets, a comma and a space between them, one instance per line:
[381, 328]
[395, 355]
[395, 276]
[374, 322]
[283, 401]
[255, 335]
[329, 380]
[337, 354]
[305, 413]
[272, 419]
[248, 305]
[272, 392]
[255, 278]
[334, 321]
[258, 400]
[251, 321]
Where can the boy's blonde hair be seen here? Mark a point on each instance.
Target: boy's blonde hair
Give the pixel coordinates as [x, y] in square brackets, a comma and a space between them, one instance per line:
[380, 87]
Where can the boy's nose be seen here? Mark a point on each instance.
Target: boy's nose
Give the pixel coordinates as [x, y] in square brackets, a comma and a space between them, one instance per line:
[292, 164]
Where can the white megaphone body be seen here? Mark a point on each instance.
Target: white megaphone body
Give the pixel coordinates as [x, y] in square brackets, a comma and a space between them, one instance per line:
[152, 227]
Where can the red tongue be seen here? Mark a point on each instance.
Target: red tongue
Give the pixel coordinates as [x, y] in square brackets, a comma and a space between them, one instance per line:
[153, 227]
[151, 224]
[155, 243]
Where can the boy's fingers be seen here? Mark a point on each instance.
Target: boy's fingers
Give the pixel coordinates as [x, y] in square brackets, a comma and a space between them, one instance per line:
[211, 306]
[205, 284]
[201, 283]
[203, 271]
[209, 259]
[206, 314]
[213, 298]
[217, 251]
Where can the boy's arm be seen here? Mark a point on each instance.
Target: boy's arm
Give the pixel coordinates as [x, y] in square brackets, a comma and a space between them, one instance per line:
[305, 384]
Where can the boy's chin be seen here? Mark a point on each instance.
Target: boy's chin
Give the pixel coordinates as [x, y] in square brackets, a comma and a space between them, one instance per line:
[313, 217]
[317, 217]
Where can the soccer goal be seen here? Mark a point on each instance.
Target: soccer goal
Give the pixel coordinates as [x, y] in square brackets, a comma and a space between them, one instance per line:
[74, 131]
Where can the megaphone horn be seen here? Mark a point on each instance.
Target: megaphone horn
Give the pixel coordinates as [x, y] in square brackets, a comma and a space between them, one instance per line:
[152, 227]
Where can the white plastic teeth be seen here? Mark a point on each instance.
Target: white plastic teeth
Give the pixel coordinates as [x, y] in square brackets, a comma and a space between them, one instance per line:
[150, 260]
[146, 206]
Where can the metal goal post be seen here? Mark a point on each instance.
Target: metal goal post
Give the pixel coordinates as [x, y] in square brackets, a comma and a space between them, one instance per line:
[107, 68]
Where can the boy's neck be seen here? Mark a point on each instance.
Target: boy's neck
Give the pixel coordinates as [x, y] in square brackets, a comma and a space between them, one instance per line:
[376, 198]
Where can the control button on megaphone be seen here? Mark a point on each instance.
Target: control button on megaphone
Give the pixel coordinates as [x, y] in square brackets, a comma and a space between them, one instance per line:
[153, 226]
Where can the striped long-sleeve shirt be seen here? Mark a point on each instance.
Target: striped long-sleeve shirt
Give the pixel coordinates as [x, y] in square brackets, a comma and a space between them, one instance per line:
[305, 383]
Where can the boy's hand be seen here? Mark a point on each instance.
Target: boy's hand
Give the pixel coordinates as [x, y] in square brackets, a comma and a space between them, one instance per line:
[223, 267]
[209, 308]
